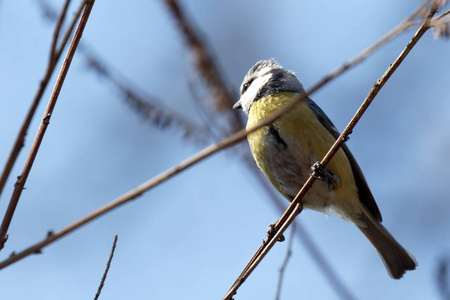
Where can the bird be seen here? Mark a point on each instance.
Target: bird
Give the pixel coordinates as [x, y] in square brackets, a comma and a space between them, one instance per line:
[287, 149]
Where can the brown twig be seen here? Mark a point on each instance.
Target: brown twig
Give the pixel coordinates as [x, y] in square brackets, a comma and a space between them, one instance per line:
[444, 14]
[138, 191]
[146, 106]
[197, 46]
[293, 208]
[207, 68]
[57, 31]
[54, 57]
[19, 186]
[108, 264]
[441, 26]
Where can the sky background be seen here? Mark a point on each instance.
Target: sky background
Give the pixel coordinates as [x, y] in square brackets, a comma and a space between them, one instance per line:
[191, 236]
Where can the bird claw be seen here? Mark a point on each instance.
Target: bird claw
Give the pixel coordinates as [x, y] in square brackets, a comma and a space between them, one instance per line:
[324, 175]
[272, 231]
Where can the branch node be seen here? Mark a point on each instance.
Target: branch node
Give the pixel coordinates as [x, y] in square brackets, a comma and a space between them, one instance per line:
[46, 120]
[18, 182]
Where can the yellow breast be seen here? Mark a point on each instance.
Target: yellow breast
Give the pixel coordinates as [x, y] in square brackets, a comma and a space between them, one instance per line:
[307, 141]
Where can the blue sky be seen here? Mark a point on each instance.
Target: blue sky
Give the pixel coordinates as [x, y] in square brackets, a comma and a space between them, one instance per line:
[191, 236]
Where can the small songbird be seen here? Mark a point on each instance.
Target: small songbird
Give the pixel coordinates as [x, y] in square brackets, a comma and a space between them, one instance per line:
[286, 150]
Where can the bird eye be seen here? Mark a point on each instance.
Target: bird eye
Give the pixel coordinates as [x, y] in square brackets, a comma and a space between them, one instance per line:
[246, 85]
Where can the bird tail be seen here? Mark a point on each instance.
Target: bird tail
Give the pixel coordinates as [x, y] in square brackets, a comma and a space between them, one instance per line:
[395, 258]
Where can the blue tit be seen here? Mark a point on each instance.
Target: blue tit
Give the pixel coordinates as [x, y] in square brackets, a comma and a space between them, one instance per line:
[286, 150]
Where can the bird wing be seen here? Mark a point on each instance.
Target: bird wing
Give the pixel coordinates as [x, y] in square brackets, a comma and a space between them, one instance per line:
[365, 195]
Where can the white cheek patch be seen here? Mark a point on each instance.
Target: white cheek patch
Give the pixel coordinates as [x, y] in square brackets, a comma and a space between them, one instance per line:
[250, 95]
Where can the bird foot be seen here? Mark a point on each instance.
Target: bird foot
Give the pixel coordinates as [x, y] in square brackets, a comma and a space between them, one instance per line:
[324, 175]
[271, 231]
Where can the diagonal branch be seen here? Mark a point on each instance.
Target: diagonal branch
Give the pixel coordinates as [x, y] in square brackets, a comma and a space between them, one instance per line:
[205, 65]
[19, 186]
[108, 264]
[296, 205]
[54, 57]
[162, 177]
[57, 32]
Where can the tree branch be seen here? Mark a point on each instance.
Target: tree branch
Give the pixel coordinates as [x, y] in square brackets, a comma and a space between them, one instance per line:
[54, 58]
[296, 205]
[19, 186]
[138, 191]
[108, 264]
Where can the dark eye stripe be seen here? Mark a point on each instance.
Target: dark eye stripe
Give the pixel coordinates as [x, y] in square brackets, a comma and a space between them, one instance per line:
[246, 85]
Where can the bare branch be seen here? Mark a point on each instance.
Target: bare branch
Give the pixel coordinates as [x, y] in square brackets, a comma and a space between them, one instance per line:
[20, 140]
[61, 19]
[441, 25]
[205, 64]
[295, 206]
[146, 106]
[108, 264]
[138, 191]
[19, 186]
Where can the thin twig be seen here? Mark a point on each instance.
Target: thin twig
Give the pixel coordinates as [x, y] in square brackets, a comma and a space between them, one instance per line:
[108, 264]
[19, 186]
[20, 140]
[283, 267]
[197, 46]
[146, 106]
[138, 191]
[58, 26]
[311, 247]
[441, 16]
[292, 210]
[70, 29]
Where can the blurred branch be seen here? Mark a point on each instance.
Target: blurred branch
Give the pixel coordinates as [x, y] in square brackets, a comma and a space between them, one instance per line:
[207, 118]
[296, 205]
[443, 278]
[207, 68]
[441, 16]
[108, 264]
[441, 25]
[19, 186]
[146, 106]
[138, 191]
[54, 57]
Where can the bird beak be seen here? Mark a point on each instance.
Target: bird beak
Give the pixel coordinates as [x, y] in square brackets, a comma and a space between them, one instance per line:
[237, 105]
